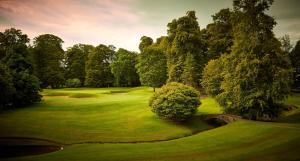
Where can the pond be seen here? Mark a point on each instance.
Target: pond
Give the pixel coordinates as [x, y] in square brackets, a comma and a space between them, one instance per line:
[16, 147]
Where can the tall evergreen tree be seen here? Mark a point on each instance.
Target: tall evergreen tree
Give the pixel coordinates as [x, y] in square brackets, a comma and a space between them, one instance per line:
[186, 46]
[256, 74]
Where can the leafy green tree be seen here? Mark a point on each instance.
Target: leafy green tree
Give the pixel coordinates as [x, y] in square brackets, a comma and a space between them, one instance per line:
[175, 101]
[256, 74]
[6, 86]
[75, 60]
[163, 43]
[21, 85]
[219, 34]
[48, 58]
[186, 46]
[190, 74]
[27, 88]
[295, 60]
[145, 42]
[213, 76]
[98, 71]
[123, 69]
[152, 67]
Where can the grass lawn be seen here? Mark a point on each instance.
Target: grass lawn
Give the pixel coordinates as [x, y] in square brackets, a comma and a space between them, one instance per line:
[86, 118]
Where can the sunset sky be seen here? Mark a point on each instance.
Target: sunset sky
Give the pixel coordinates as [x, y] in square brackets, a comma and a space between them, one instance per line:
[123, 22]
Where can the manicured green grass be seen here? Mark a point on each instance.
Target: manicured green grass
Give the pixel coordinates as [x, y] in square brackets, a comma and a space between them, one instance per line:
[101, 115]
[125, 116]
[209, 106]
[242, 140]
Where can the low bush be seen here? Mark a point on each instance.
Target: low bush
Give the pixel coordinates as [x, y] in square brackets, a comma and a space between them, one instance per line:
[175, 101]
[73, 83]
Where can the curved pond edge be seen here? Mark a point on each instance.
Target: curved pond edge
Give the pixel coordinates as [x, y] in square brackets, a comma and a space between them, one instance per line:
[26, 146]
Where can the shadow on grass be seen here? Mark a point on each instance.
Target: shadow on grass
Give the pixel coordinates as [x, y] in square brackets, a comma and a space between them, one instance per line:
[294, 118]
[71, 95]
[82, 95]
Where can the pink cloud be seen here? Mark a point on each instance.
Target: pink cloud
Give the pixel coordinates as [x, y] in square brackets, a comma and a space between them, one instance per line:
[77, 21]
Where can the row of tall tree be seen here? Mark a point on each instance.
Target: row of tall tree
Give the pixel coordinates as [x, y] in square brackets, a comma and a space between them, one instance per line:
[90, 66]
[182, 55]
[236, 59]
[27, 68]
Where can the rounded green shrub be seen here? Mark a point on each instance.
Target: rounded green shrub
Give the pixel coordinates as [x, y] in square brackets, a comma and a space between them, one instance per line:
[73, 83]
[175, 101]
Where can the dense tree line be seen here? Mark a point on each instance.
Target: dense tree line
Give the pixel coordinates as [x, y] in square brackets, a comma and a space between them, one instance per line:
[26, 69]
[19, 87]
[256, 74]
[98, 71]
[47, 56]
[75, 62]
[247, 69]
[236, 59]
[123, 69]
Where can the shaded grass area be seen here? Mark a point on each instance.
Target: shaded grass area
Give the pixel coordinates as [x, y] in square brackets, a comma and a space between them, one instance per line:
[82, 95]
[294, 115]
[125, 116]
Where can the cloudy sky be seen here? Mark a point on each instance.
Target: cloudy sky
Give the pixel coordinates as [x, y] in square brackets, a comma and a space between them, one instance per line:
[123, 22]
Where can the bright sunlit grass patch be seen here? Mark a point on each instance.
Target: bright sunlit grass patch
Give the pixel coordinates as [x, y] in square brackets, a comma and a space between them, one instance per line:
[95, 114]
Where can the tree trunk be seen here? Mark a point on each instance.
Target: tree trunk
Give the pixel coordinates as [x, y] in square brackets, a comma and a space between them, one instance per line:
[153, 89]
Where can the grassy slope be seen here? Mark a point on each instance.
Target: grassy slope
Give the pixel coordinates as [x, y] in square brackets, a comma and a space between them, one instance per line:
[241, 140]
[103, 115]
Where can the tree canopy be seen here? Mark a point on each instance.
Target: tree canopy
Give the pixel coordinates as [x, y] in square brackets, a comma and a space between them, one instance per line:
[123, 69]
[75, 61]
[98, 71]
[295, 60]
[152, 67]
[256, 74]
[20, 87]
[219, 34]
[48, 58]
[236, 58]
[187, 54]
[145, 42]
